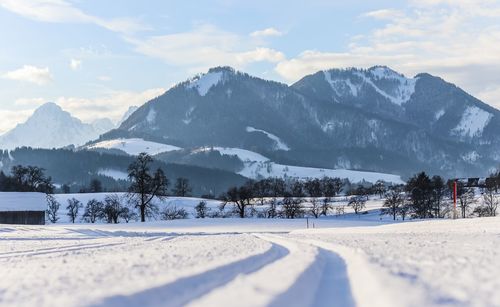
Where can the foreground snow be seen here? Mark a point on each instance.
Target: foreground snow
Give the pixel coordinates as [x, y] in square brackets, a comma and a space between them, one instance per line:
[351, 261]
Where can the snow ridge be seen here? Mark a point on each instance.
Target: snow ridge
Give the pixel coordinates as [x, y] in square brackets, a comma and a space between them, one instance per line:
[279, 144]
[134, 146]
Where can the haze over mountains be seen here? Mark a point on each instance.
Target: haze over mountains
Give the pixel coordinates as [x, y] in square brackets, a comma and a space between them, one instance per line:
[364, 119]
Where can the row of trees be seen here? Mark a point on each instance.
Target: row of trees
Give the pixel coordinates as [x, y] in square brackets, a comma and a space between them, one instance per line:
[26, 179]
[431, 197]
[111, 210]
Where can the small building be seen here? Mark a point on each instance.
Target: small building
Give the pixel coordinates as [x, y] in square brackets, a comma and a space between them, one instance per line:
[26, 208]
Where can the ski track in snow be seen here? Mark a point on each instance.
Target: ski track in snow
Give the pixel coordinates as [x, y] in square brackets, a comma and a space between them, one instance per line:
[427, 263]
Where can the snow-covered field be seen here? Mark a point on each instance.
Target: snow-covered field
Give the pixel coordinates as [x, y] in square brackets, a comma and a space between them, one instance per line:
[255, 165]
[349, 261]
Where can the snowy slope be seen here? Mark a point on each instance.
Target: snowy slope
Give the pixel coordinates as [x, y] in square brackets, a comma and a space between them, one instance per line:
[257, 166]
[473, 122]
[204, 82]
[134, 146]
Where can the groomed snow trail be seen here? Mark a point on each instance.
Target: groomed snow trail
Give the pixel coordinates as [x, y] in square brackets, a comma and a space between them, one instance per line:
[429, 263]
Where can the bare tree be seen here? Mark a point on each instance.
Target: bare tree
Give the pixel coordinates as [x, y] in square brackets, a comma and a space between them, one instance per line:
[490, 202]
[379, 188]
[93, 210]
[172, 212]
[339, 210]
[240, 197]
[357, 203]
[128, 213]
[394, 200]
[145, 186]
[113, 208]
[315, 209]
[325, 205]
[73, 206]
[182, 187]
[465, 199]
[272, 211]
[292, 207]
[404, 209]
[52, 209]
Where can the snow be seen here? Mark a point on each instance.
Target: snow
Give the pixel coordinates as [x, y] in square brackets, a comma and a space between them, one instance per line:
[17, 201]
[471, 156]
[280, 145]
[401, 94]
[187, 119]
[243, 154]
[205, 82]
[341, 86]
[352, 261]
[115, 174]
[439, 114]
[257, 166]
[473, 122]
[151, 117]
[134, 146]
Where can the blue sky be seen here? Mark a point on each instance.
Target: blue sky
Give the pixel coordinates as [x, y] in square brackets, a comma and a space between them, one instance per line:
[96, 58]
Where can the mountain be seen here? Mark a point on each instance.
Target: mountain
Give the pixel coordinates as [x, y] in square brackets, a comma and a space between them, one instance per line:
[129, 112]
[363, 119]
[52, 127]
[102, 125]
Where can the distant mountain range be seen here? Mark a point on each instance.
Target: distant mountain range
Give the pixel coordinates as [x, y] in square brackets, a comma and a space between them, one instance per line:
[366, 119]
[359, 119]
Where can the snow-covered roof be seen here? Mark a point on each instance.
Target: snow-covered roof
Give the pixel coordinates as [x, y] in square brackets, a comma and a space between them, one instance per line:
[22, 201]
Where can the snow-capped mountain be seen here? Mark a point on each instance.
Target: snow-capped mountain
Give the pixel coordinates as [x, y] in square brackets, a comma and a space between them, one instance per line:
[52, 127]
[367, 119]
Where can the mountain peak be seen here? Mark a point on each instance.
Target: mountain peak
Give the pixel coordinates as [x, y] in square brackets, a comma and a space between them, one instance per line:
[49, 107]
[227, 69]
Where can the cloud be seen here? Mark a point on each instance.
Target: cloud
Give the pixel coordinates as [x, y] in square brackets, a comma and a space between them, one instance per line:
[28, 73]
[104, 78]
[75, 64]
[457, 40]
[111, 105]
[266, 32]
[10, 118]
[204, 47]
[60, 11]
[29, 102]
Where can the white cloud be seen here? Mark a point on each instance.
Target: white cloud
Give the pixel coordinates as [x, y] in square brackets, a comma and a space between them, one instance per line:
[61, 11]
[75, 64]
[31, 74]
[111, 105]
[10, 118]
[385, 14]
[457, 40]
[29, 101]
[104, 78]
[204, 47]
[266, 32]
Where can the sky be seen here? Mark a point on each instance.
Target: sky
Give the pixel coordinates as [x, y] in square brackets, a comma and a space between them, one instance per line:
[96, 58]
